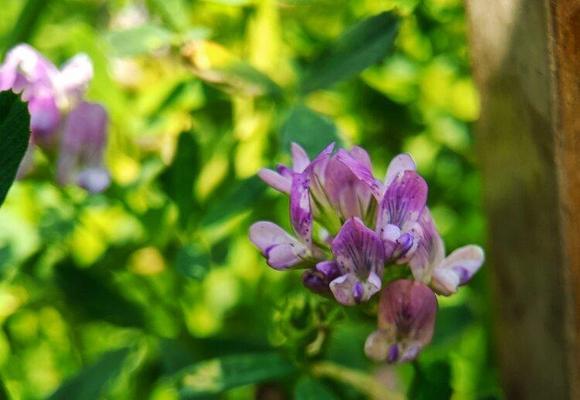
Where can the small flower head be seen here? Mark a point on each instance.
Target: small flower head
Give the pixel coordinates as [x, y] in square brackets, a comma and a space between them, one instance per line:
[406, 320]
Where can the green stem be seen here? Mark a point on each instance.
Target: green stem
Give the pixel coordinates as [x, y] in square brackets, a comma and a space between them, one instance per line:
[26, 23]
[362, 382]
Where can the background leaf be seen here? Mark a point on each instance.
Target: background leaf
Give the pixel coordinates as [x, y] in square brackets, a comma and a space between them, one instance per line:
[309, 129]
[365, 44]
[179, 178]
[215, 376]
[309, 388]
[94, 380]
[140, 40]
[14, 137]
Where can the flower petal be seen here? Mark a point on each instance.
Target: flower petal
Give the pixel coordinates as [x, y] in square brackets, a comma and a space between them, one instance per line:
[300, 159]
[300, 211]
[404, 200]
[399, 164]
[406, 320]
[82, 147]
[74, 78]
[281, 250]
[44, 120]
[350, 289]
[317, 279]
[457, 269]
[358, 249]
[430, 251]
[275, 180]
[361, 169]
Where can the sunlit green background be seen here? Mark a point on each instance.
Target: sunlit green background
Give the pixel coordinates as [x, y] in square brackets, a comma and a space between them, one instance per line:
[160, 267]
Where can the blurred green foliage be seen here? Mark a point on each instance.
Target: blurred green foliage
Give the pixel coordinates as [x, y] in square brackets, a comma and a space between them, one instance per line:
[152, 289]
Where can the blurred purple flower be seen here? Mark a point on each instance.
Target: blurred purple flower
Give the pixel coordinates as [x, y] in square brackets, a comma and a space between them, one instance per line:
[60, 120]
[49, 92]
[82, 146]
[444, 274]
[406, 320]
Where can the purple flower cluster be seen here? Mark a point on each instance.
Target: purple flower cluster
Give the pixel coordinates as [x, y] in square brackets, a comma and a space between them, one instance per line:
[62, 123]
[350, 226]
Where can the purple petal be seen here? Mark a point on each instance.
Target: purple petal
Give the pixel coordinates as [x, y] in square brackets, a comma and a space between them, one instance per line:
[358, 249]
[300, 159]
[25, 68]
[409, 307]
[457, 269]
[74, 78]
[430, 251]
[94, 180]
[399, 164]
[44, 120]
[361, 169]
[350, 289]
[406, 320]
[281, 250]
[275, 180]
[404, 200]
[82, 147]
[300, 211]
[318, 278]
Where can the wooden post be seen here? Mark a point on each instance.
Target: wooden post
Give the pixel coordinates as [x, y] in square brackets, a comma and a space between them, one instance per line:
[526, 59]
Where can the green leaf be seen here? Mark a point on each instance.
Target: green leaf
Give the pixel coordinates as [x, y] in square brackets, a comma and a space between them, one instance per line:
[431, 381]
[216, 65]
[240, 198]
[14, 137]
[92, 295]
[193, 262]
[309, 129]
[140, 40]
[93, 380]
[172, 12]
[220, 374]
[309, 388]
[365, 44]
[179, 178]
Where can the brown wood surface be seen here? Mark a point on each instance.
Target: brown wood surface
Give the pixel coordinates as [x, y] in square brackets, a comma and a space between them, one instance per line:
[526, 60]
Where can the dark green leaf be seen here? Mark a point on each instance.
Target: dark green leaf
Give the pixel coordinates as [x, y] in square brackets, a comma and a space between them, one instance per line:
[365, 44]
[141, 40]
[240, 198]
[192, 261]
[431, 381]
[179, 178]
[93, 381]
[309, 388]
[309, 129]
[219, 374]
[14, 137]
[93, 296]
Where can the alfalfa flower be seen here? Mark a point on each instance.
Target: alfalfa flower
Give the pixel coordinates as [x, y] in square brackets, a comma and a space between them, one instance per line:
[348, 224]
[406, 320]
[59, 115]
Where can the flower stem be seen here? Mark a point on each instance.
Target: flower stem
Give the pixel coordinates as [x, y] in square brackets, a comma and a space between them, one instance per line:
[359, 380]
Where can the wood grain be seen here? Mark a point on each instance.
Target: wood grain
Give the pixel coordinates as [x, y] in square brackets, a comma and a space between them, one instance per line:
[525, 59]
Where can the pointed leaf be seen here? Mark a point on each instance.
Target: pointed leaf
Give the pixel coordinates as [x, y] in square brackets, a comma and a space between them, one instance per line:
[94, 380]
[219, 374]
[309, 129]
[14, 138]
[365, 44]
